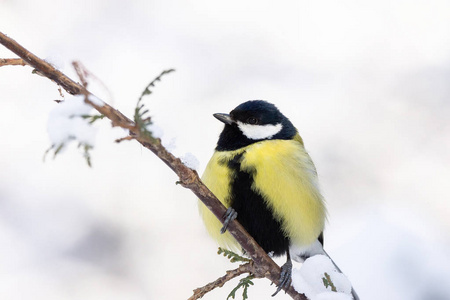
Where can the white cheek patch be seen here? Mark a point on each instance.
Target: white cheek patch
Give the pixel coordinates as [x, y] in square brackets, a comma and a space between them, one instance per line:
[259, 132]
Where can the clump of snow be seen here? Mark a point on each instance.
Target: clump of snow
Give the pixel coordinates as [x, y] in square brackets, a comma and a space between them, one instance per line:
[188, 158]
[95, 100]
[309, 280]
[190, 161]
[157, 132]
[65, 123]
[56, 61]
[169, 144]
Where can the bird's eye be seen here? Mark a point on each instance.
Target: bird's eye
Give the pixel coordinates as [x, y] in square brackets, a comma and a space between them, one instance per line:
[252, 120]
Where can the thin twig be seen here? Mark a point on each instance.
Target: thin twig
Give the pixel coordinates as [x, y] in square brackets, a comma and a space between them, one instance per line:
[81, 72]
[188, 178]
[245, 268]
[126, 138]
[12, 62]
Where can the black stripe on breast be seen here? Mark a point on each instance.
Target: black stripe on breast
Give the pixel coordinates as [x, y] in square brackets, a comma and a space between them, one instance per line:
[253, 213]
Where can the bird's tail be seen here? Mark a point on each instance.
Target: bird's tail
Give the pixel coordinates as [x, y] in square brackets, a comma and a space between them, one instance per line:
[354, 294]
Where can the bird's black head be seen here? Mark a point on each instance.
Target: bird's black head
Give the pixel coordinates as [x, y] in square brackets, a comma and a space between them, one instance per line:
[253, 121]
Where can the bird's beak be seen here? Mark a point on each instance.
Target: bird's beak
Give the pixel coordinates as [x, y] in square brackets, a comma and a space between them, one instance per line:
[225, 118]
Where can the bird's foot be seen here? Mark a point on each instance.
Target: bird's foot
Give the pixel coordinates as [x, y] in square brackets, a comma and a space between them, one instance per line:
[229, 216]
[285, 277]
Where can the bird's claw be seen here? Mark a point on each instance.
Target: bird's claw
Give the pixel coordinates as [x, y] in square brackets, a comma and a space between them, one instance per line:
[229, 216]
[285, 277]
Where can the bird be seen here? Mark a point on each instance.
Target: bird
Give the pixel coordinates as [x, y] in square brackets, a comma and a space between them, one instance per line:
[265, 178]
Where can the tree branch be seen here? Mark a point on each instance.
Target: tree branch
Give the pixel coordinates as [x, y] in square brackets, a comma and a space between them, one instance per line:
[12, 62]
[264, 265]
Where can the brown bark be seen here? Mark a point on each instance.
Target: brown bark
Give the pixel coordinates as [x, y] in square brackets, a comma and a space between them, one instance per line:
[12, 62]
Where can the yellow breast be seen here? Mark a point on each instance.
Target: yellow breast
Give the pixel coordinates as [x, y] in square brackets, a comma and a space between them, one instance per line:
[285, 177]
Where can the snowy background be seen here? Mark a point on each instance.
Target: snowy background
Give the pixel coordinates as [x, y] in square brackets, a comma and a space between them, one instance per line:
[366, 83]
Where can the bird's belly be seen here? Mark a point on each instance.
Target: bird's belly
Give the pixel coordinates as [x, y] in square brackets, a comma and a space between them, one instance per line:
[286, 178]
[272, 186]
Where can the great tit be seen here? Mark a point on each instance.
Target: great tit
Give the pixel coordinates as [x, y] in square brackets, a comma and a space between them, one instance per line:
[262, 173]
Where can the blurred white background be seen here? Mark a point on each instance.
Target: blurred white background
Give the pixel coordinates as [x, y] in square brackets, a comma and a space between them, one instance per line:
[367, 83]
